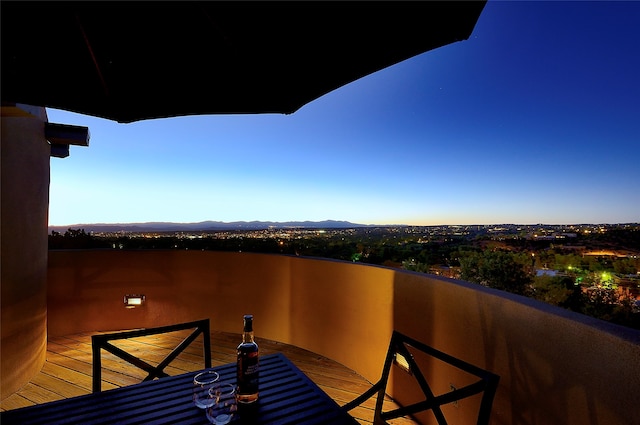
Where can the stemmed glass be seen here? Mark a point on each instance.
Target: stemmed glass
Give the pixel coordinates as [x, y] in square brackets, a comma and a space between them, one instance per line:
[204, 385]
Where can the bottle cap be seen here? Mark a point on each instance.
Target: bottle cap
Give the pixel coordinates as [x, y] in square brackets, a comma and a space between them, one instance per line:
[248, 322]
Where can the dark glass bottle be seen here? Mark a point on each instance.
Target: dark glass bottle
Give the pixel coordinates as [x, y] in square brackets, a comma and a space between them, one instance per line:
[247, 368]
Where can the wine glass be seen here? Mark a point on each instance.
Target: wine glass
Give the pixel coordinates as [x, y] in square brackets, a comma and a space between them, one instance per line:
[225, 404]
[204, 386]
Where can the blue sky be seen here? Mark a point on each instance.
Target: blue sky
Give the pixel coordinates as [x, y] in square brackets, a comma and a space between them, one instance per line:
[534, 119]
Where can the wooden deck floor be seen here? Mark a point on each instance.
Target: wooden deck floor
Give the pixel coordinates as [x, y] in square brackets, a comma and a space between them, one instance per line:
[67, 371]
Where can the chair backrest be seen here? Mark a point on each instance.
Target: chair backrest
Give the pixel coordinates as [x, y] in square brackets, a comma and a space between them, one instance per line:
[102, 342]
[400, 354]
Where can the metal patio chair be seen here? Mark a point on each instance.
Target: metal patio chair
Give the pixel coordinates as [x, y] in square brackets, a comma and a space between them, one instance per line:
[102, 342]
[399, 354]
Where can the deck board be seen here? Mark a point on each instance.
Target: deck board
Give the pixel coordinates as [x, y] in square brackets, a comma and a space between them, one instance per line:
[67, 371]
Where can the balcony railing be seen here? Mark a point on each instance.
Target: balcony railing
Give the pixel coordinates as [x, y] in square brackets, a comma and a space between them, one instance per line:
[555, 366]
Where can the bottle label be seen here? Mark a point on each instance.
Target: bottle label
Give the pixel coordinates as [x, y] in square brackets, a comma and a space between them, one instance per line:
[248, 373]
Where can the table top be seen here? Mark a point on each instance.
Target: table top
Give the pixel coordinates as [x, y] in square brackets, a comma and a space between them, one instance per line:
[287, 396]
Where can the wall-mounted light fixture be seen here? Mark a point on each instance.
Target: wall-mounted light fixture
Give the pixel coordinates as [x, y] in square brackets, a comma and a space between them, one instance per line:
[402, 362]
[132, 301]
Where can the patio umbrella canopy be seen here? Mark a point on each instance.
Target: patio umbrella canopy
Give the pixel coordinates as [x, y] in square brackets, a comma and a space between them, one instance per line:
[129, 61]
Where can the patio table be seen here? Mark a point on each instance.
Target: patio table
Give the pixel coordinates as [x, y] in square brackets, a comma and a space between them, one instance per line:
[287, 396]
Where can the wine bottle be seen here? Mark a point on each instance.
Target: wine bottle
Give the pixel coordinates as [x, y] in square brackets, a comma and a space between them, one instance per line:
[247, 367]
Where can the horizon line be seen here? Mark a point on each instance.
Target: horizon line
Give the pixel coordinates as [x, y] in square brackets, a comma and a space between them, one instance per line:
[334, 221]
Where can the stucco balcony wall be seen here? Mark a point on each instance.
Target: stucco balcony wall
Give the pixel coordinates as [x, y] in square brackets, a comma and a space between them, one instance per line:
[24, 158]
[556, 367]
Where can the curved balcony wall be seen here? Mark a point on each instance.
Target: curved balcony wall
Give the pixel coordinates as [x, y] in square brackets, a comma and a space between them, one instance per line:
[24, 172]
[555, 367]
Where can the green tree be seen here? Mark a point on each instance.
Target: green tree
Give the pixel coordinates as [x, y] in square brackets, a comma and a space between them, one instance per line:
[560, 291]
[413, 265]
[75, 239]
[496, 269]
[602, 302]
[625, 266]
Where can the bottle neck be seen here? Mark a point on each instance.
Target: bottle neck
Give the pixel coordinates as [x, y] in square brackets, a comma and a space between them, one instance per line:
[247, 336]
[247, 328]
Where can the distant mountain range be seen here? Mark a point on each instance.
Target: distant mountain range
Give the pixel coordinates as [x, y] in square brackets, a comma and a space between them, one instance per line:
[206, 226]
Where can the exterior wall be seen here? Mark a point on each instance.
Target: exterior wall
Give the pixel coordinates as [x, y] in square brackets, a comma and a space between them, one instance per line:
[556, 367]
[23, 232]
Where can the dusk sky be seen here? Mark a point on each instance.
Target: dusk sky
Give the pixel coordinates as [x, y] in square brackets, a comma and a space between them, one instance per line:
[534, 119]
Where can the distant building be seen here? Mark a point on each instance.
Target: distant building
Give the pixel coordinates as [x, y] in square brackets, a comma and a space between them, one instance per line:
[548, 272]
[452, 272]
